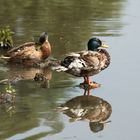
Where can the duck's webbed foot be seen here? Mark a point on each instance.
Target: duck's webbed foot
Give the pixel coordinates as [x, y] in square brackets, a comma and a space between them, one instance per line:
[87, 84]
[94, 85]
[91, 85]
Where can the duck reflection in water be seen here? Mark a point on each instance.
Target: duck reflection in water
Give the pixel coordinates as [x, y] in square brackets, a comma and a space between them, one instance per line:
[40, 75]
[94, 109]
[44, 77]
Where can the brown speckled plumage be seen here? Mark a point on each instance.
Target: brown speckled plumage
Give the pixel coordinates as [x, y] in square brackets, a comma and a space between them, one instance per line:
[108, 58]
[89, 63]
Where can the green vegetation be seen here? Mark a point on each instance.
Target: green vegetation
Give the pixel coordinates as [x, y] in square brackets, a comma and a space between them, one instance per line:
[9, 94]
[6, 40]
[10, 90]
[7, 99]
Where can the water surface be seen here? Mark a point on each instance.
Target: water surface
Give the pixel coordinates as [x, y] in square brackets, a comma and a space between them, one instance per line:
[69, 25]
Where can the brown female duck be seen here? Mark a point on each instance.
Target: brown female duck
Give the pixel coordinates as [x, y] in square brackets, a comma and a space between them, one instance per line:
[87, 63]
[28, 53]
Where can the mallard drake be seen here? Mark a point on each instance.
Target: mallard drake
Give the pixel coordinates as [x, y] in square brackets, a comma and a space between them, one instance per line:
[88, 62]
[30, 53]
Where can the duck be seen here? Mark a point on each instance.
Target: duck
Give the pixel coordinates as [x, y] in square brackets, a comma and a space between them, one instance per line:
[88, 62]
[30, 53]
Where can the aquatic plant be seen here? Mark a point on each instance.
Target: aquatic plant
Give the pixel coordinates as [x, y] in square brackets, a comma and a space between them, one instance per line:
[10, 89]
[6, 39]
[9, 94]
[7, 99]
[11, 110]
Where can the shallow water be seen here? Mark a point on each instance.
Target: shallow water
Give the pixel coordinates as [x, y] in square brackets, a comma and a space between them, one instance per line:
[70, 24]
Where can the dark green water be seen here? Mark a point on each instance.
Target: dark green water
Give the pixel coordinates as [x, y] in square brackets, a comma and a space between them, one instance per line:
[70, 24]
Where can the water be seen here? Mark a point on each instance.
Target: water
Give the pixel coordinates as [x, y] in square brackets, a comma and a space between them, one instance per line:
[70, 24]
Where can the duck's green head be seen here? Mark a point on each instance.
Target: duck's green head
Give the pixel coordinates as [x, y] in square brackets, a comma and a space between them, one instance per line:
[95, 43]
[43, 37]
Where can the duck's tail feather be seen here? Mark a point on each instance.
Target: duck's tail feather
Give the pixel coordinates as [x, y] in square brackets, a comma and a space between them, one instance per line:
[53, 64]
[4, 57]
[59, 68]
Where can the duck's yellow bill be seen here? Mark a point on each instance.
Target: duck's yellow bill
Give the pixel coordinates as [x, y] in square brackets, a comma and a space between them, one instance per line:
[104, 46]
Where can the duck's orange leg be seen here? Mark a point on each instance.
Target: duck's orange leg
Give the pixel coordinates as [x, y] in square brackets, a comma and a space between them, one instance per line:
[84, 85]
[87, 92]
[85, 80]
[88, 81]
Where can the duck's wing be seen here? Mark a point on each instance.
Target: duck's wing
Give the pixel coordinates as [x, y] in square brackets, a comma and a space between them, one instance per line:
[92, 59]
[73, 60]
[84, 60]
[20, 47]
[27, 52]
